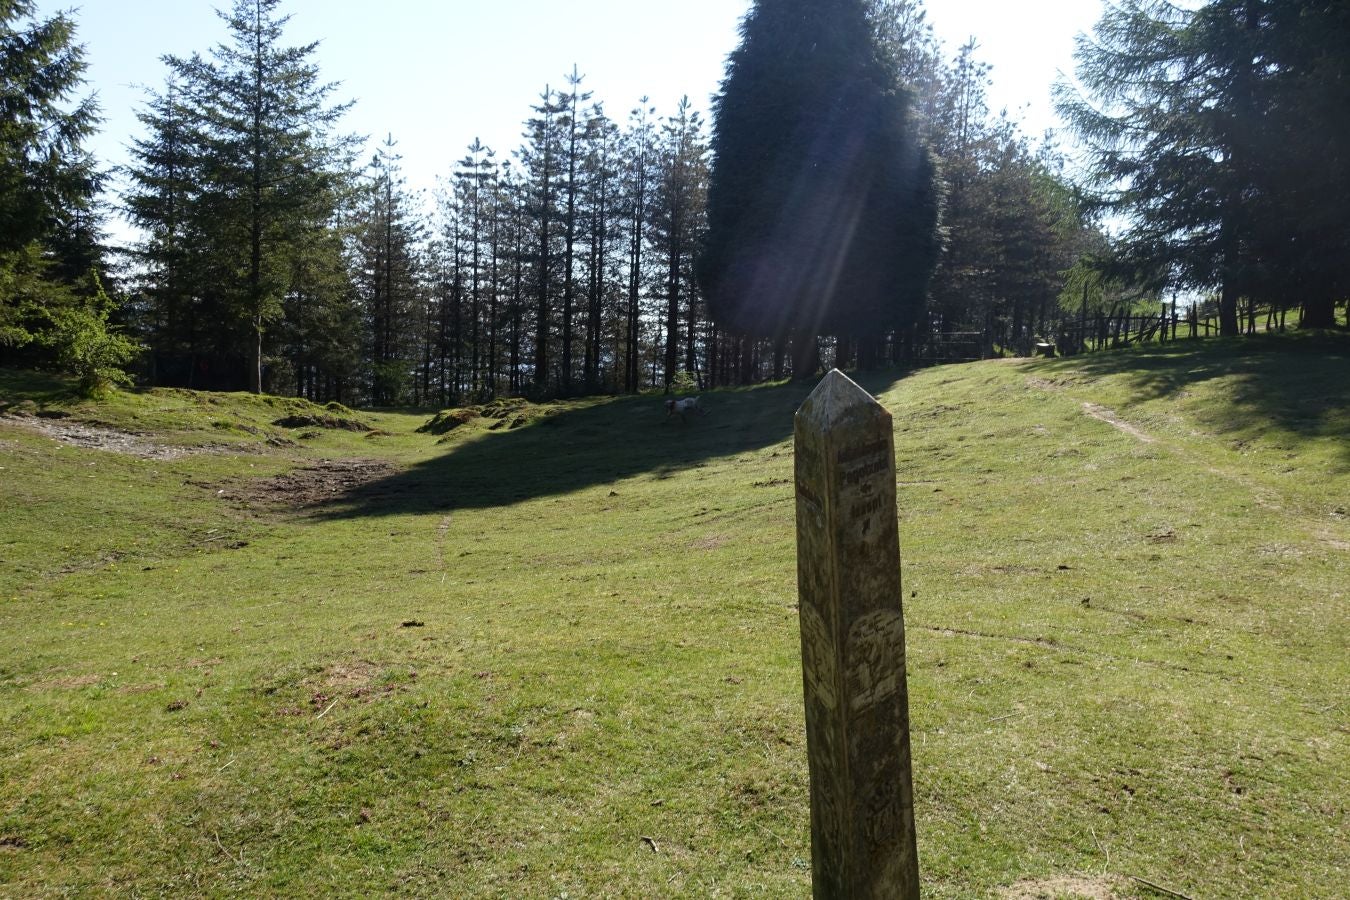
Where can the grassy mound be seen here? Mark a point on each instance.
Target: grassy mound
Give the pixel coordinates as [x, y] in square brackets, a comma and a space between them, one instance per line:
[509, 412]
[565, 659]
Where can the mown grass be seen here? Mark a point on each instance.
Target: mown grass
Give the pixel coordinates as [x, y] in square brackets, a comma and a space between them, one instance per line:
[563, 658]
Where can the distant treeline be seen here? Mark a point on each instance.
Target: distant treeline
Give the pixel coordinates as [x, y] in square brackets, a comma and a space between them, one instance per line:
[275, 257]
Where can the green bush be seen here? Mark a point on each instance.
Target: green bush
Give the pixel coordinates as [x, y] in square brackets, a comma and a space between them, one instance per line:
[684, 382]
[87, 347]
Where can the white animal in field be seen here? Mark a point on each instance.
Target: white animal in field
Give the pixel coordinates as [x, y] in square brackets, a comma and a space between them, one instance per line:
[683, 408]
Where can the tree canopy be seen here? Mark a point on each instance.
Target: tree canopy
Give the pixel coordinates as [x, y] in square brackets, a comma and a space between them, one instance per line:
[243, 170]
[822, 204]
[1218, 134]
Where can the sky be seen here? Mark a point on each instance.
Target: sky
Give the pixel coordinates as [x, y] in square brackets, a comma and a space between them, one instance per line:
[436, 74]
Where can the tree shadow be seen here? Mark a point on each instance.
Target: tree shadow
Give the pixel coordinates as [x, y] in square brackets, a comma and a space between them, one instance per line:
[583, 446]
[1297, 382]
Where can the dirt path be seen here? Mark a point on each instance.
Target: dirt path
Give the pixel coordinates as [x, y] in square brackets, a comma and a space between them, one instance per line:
[1103, 414]
[1262, 495]
[314, 485]
[92, 437]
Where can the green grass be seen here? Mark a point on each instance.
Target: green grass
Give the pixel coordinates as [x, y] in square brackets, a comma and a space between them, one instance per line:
[1127, 656]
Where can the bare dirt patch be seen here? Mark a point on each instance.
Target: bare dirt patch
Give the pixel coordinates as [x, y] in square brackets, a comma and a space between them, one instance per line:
[314, 485]
[349, 676]
[95, 437]
[1063, 888]
[71, 683]
[1101, 413]
[358, 680]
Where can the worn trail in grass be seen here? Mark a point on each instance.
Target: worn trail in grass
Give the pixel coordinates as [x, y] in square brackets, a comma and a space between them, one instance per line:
[563, 657]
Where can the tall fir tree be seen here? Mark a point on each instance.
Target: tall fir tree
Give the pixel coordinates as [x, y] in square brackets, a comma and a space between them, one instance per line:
[49, 219]
[639, 186]
[272, 168]
[678, 231]
[575, 129]
[163, 202]
[602, 162]
[389, 282]
[1217, 132]
[476, 188]
[542, 159]
[822, 205]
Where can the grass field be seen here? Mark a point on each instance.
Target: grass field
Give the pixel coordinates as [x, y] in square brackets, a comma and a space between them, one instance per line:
[561, 659]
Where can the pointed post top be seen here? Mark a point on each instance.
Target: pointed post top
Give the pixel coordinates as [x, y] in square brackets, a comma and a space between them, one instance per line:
[836, 400]
[863, 840]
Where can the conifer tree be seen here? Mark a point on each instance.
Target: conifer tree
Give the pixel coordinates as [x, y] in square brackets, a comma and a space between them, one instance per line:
[272, 169]
[602, 187]
[541, 158]
[638, 188]
[49, 232]
[678, 230]
[575, 129]
[165, 178]
[475, 185]
[389, 286]
[1209, 128]
[822, 205]
[1304, 160]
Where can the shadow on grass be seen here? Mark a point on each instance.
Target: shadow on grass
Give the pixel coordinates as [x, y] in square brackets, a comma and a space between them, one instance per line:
[587, 445]
[40, 388]
[1296, 382]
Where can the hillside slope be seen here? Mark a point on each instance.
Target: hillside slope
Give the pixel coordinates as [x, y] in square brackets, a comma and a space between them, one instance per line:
[562, 657]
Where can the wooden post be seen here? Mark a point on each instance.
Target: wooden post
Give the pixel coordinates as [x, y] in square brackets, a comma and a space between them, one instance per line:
[853, 647]
[1082, 321]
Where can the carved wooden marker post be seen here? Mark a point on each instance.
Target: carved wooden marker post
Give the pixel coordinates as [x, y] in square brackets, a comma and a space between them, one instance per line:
[853, 647]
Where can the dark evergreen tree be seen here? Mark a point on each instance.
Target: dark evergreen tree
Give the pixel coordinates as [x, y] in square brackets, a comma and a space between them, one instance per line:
[822, 206]
[475, 186]
[49, 220]
[272, 169]
[163, 203]
[542, 158]
[574, 129]
[321, 335]
[389, 282]
[1219, 134]
[601, 193]
[678, 230]
[639, 184]
[1303, 160]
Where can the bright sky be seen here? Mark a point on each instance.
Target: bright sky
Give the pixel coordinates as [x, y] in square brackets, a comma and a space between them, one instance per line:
[438, 73]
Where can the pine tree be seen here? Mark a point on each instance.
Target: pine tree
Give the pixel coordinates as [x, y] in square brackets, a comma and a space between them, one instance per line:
[822, 205]
[272, 169]
[321, 333]
[639, 181]
[390, 281]
[165, 176]
[575, 128]
[602, 187]
[1304, 160]
[678, 230]
[541, 158]
[1175, 114]
[515, 241]
[49, 231]
[475, 185]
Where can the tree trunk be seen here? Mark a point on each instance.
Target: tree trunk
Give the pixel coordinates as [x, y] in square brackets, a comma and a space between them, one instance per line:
[258, 355]
[805, 357]
[1229, 326]
[1318, 312]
